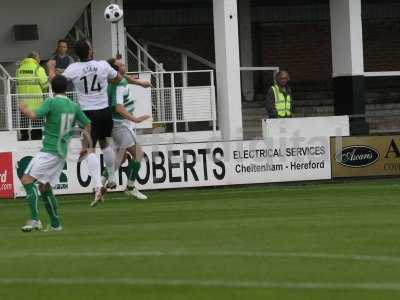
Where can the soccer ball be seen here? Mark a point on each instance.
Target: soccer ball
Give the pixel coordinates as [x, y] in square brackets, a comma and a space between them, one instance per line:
[113, 13]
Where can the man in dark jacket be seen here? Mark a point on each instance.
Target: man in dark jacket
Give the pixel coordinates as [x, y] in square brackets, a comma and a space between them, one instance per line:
[63, 60]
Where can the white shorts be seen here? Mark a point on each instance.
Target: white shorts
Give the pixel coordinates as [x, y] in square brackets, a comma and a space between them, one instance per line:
[123, 136]
[46, 168]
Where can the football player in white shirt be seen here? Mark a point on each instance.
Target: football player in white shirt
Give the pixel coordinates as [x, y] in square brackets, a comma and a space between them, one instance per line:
[90, 79]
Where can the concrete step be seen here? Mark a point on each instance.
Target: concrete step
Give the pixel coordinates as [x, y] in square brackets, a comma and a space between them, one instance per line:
[258, 112]
[252, 137]
[251, 117]
[384, 106]
[316, 110]
[252, 129]
[383, 124]
[257, 123]
[315, 102]
[252, 104]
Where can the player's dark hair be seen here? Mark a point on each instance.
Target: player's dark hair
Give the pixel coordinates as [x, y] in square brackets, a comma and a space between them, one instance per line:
[59, 84]
[82, 50]
[112, 62]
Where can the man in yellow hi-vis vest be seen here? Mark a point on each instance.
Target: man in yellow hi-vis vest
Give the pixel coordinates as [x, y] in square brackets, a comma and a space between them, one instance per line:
[279, 100]
[32, 81]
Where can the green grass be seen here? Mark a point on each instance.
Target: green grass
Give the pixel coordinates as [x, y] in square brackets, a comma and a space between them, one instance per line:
[322, 241]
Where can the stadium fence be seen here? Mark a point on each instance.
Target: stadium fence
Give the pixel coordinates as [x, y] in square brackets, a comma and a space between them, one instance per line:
[176, 97]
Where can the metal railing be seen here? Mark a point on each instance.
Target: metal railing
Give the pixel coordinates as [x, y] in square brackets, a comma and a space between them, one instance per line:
[143, 60]
[185, 54]
[172, 104]
[274, 70]
[382, 74]
[4, 107]
[16, 120]
[141, 55]
[188, 96]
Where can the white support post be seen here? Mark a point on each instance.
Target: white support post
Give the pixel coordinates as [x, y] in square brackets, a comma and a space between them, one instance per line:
[145, 58]
[213, 105]
[107, 39]
[346, 35]
[7, 89]
[348, 62]
[158, 97]
[139, 59]
[19, 134]
[228, 69]
[162, 86]
[30, 130]
[184, 60]
[126, 49]
[173, 105]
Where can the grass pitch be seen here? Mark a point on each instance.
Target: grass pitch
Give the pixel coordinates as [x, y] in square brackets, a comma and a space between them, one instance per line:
[325, 241]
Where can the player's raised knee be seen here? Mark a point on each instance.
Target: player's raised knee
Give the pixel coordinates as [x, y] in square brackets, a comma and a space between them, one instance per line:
[26, 179]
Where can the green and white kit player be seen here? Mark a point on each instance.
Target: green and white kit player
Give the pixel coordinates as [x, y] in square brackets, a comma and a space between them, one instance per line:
[123, 133]
[45, 168]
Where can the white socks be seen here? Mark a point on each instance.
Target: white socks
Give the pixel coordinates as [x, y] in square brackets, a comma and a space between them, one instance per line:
[131, 183]
[94, 166]
[109, 161]
[120, 158]
[94, 169]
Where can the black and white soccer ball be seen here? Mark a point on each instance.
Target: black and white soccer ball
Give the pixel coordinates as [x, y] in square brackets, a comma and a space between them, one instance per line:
[113, 13]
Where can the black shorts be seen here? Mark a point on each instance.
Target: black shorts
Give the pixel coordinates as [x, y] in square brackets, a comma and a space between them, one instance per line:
[102, 124]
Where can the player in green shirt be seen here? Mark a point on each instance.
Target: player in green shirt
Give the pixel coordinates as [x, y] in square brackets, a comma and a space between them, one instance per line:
[122, 106]
[45, 168]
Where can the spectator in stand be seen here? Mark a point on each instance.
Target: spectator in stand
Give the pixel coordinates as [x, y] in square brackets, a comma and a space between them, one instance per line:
[63, 60]
[279, 100]
[32, 82]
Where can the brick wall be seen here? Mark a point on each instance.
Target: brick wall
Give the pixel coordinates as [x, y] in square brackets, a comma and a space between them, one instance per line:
[303, 49]
[198, 39]
[381, 46]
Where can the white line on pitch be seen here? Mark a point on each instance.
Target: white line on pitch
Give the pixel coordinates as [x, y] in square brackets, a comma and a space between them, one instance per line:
[355, 257]
[203, 283]
[224, 190]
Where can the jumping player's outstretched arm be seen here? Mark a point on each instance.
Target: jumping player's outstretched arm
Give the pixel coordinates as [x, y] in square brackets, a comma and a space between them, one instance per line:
[119, 108]
[141, 82]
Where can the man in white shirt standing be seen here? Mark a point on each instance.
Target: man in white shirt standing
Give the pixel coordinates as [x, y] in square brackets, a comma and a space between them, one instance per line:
[90, 79]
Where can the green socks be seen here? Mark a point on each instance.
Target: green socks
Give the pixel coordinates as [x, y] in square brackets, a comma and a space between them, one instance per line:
[32, 197]
[133, 171]
[50, 202]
